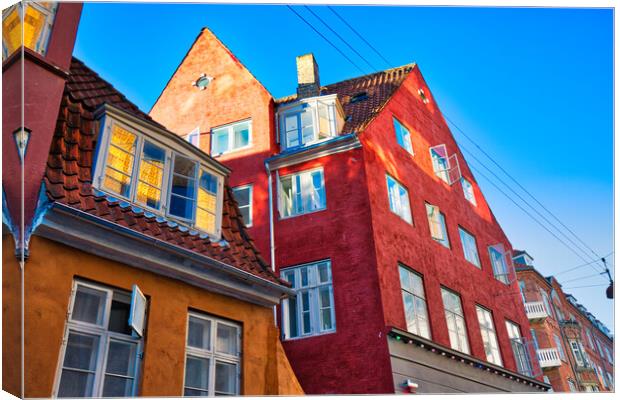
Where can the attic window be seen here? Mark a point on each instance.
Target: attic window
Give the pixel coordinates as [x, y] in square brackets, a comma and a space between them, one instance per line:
[361, 96]
[202, 82]
[423, 96]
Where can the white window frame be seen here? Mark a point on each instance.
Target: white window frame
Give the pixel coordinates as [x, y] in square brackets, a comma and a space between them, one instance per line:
[468, 191]
[437, 225]
[403, 210]
[142, 135]
[578, 353]
[313, 289]
[105, 336]
[462, 344]
[463, 233]
[297, 191]
[404, 137]
[212, 354]
[413, 324]
[194, 134]
[497, 256]
[249, 206]
[231, 137]
[489, 335]
[519, 348]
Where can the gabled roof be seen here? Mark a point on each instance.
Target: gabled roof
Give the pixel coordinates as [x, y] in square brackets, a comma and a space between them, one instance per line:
[68, 179]
[379, 88]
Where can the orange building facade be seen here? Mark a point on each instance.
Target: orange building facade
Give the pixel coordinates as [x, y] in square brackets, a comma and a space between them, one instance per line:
[574, 349]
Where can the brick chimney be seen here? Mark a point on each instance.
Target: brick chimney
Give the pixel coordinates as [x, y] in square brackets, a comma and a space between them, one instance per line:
[308, 84]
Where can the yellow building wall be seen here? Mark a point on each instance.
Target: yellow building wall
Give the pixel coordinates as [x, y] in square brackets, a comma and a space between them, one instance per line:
[49, 273]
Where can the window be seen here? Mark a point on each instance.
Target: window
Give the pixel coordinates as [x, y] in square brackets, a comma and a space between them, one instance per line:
[243, 195]
[414, 302]
[309, 121]
[498, 261]
[455, 319]
[600, 348]
[212, 357]
[534, 338]
[403, 137]
[571, 386]
[468, 191]
[610, 379]
[231, 137]
[519, 349]
[578, 353]
[522, 290]
[100, 355]
[589, 335]
[194, 137]
[560, 348]
[312, 311]
[440, 162]
[144, 172]
[38, 19]
[437, 225]
[489, 338]
[608, 354]
[546, 302]
[301, 193]
[469, 247]
[399, 199]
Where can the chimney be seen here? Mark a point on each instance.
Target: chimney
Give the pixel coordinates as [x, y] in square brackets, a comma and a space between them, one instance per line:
[308, 84]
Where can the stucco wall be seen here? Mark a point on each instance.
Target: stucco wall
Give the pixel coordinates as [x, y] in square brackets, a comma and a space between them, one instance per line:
[50, 271]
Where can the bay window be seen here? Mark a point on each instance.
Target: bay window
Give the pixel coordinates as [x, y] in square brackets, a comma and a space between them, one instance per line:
[231, 137]
[301, 193]
[101, 350]
[144, 170]
[399, 199]
[489, 337]
[455, 319]
[311, 311]
[37, 18]
[212, 356]
[414, 302]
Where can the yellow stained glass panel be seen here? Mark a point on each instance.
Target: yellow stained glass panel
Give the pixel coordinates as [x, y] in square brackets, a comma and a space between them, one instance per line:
[116, 182]
[123, 139]
[120, 160]
[34, 20]
[205, 220]
[206, 200]
[152, 173]
[148, 195]
[11, 30]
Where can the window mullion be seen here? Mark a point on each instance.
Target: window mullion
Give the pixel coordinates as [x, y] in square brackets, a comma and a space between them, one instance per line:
[102, 352]
[135, 172]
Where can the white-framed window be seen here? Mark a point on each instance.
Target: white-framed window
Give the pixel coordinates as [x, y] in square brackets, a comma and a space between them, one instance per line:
[139, 169]
[301, 193]
[311, 312]
[243, 195]
[212, 356]
[519, 349]
[194, 137]
[558, 345]
[600, 348]
[309, 121]
[437, 225]
[470, 249]
[578, 353]
[522, 290]
[489, 337]
[499, 264]
[546, 302]
[231, 137]
[468, 191]
[398, 197]
[100, 353]
[403, 137]
[457, 330]
[38, 19]
[414, 302]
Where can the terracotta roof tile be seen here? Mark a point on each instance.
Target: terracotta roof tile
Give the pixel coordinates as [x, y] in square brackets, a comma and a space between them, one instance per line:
[378, 86]
[68, 179]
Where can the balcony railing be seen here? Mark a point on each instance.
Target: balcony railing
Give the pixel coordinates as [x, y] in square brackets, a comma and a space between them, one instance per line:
[536, 310]
[549, 358]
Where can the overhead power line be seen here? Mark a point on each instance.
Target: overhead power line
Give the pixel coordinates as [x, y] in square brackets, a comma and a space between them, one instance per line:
[581, 265]
[327, 40]
[584, 277]
[360, 36]
[342, 39]
[586, 286]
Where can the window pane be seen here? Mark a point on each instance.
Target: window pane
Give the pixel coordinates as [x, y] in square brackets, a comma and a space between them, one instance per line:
[151, 175]
[323, 269]
[307, 129]
[292, 317]
[76, 384]
[121, 358]
[123, 139]
[225, 378]
[469, 247]
[183, 186]
[242, 134]
[226, 339]
[402, 136]
[207, 201]
[325, 306]
[117, 182]
[119, 313]
[220, 140]
[286, 196]
[199, 333]
[81, 352]
[197, 373]
[242, 195]
[181, 207]
[89, 305]
[291, 130]
[116, 386]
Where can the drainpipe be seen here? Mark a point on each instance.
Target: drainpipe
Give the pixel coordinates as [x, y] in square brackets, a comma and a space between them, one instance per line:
[271, 236]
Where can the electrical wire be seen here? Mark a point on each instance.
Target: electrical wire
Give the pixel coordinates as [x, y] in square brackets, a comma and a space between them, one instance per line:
[581, 265]
[587, 286]
[582, 277]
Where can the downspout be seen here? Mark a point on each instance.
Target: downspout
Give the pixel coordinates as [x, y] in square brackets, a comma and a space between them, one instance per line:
[271, 235]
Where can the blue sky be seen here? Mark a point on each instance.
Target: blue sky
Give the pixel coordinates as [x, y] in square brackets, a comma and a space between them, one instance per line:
[532, 87]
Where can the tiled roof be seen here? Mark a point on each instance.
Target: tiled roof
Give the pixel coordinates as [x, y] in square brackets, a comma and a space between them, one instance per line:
[379, 87]
[68, 179]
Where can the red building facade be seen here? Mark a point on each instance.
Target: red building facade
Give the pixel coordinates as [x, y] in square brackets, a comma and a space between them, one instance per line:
[360, 197]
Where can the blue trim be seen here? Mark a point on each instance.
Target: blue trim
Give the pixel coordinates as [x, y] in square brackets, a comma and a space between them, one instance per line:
[43, 206]
[6, 215]
[98, 145]
[302, 149]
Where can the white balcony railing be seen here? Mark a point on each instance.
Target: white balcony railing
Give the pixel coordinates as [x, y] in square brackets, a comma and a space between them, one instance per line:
[535, 310]
[549, 358]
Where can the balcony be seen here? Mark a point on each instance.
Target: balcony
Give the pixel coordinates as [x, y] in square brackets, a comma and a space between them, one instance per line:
[536, 311]
[548, 358]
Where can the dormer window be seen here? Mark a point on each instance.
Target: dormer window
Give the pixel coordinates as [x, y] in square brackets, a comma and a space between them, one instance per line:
[162, 175]
[309, 121]
[38, 18]
[231, 137]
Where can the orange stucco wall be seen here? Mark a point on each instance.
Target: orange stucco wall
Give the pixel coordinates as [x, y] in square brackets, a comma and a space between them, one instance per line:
[49, 273]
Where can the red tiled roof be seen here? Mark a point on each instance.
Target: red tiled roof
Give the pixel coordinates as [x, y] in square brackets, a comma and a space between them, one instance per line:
[68, 179]
[378, 86]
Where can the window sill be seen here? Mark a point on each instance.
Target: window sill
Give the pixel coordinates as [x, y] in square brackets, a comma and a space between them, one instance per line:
[237, 150]
[401, 218]
[280, 218]
[331, 332]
